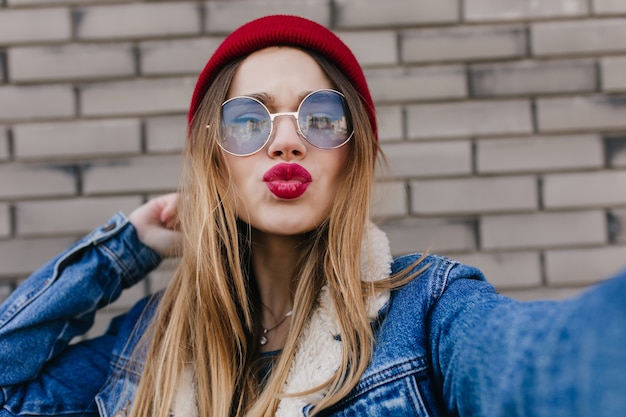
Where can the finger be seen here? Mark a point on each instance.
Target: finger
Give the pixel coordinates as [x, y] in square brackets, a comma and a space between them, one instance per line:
[169, 210]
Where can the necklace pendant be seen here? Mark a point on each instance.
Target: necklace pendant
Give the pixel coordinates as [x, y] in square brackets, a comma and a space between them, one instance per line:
[263, 339]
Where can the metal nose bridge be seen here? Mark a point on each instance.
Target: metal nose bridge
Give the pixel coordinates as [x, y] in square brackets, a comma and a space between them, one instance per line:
[293, 114]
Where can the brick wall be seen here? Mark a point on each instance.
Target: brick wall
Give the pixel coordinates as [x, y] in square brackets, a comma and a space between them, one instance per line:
[504, 122]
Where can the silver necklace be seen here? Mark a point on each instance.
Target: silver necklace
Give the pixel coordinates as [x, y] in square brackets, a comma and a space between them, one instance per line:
[263, 339]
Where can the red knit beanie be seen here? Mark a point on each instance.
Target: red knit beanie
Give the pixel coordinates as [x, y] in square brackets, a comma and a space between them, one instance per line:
[284, 30]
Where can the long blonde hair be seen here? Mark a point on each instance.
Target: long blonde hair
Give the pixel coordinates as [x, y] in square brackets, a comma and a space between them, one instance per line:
[206, 319]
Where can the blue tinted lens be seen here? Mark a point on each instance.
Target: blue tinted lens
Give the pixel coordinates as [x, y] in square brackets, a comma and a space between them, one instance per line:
[323, 119]
[246, 126]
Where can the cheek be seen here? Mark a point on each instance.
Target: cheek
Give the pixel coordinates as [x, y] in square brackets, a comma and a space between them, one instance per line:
[240, 179]
[335, 179]
[340, 166]
[238, 169]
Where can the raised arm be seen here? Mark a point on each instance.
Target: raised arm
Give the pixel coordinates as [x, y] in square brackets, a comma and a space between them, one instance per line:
[498, 357]
[59, 301]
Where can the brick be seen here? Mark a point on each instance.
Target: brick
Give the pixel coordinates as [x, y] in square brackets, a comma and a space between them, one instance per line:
[70, 62]
[176, 56]
[34, 25]
[101, 323]
[506, 270]
[4, 144]
[480, 10]
[17, 181]
[429, 159]
[19, 3]
[390, 122]
[142, 174]
[584, 266]
[77, 139]
[161, 276]
[584, 113]
[410, 235]
[5, 220]
[585, 189]
[137, 20]
[578, 37]
[372, 47]
[539, 153]
[68, 216]
[466, 119]
[3, 74]
[6, 288]
[474, 195]
[390, 200]
[144, 96]
[542, 293]
[374, 13]
[409, 84]
[613, 70]
[533, 77]
[20, 257]
[543, 230]
[129, 298]
[615, 150]
[166, 133]
[617, 225]
[463, 43]
[40, 101]
[608, 6]
[226, 16]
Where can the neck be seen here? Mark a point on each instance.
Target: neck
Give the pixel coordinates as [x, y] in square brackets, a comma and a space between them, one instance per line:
[274, 260]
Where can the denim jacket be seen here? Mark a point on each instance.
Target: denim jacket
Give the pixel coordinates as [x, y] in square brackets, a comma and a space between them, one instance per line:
[446, 343]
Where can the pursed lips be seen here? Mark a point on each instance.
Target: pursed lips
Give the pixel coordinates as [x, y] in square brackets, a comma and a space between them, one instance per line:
[287, 181]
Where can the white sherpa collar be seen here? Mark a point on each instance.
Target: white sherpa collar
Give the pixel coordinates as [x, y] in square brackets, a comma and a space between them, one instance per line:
[318, 355]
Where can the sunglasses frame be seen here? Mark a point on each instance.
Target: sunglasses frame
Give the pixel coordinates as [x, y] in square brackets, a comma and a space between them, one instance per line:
[293, 114]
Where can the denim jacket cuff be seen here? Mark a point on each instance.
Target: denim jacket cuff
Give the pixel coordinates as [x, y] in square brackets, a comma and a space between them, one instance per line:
[119, 239]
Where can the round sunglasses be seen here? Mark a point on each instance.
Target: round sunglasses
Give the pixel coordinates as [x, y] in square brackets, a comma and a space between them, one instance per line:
[322, 119]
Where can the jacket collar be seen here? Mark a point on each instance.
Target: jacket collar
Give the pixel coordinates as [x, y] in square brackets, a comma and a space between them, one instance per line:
[318, 355]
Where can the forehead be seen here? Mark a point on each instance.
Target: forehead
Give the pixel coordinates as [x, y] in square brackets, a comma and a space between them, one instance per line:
[278, 71]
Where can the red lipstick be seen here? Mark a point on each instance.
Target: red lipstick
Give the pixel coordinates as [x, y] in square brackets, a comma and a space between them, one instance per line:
[287, 181]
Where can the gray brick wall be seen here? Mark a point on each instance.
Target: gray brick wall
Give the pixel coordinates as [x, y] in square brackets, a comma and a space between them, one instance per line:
[504, 123]
[585, 113]
[70, 62]
[463, 43]
[137, 20]
[613, 69]
[45, 25]
[33, 102]
[484, 10]
[4, 144]
[469, 119]
[533, 78]
[578, 37]
[81, 138]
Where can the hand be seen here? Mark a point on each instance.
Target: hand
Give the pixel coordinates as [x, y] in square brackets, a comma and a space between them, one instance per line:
[157, 224]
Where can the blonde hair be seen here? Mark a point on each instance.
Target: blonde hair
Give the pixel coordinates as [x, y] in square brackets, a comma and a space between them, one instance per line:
[206, 317]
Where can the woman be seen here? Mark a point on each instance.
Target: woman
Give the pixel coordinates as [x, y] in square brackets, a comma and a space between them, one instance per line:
[287, 301]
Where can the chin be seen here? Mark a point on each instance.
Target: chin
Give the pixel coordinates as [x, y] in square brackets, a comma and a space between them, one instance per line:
[287, 220]
[289, 230]
[286, 228]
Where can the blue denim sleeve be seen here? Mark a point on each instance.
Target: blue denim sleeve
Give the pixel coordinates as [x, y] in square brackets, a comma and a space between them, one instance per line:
[493, 356]
[59, 301]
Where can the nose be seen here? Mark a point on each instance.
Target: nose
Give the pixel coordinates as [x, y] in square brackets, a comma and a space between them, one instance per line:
[286, 142]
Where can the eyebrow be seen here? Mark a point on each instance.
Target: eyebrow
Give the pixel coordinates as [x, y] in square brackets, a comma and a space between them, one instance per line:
[264, 98]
